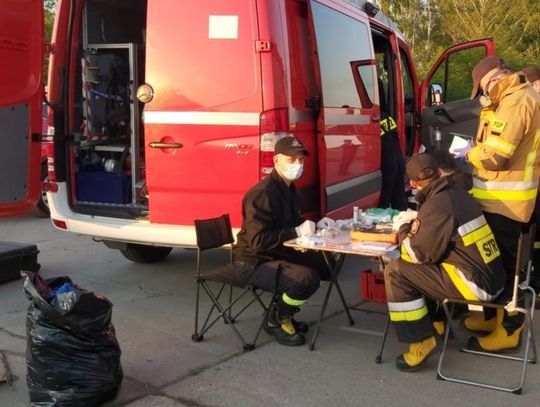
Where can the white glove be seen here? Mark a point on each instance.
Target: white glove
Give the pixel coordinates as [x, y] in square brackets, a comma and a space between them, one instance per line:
[326, 223]
[306, 229]
[461, 152]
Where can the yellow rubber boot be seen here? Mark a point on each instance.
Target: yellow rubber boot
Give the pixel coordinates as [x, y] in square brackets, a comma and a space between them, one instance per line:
[499, 341]
[439, 327]
[418, 354]
[476, 323]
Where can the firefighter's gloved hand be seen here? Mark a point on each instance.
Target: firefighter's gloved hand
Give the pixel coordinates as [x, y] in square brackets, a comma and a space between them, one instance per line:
[403, 231]
[462, 151]
[306, 229]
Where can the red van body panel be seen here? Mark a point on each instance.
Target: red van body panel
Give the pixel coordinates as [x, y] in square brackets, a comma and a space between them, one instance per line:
[207, 97]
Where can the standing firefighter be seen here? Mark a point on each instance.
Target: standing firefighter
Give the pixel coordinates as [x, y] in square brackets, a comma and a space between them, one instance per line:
[505, 183]
[447, 251]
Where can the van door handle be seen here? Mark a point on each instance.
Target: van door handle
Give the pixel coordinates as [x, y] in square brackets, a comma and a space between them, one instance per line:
[157, 144]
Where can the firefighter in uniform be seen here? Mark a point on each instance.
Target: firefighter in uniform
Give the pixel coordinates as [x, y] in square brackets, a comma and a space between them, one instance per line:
[506, 167]
[270, 216]
[393, 193]
[447, 251]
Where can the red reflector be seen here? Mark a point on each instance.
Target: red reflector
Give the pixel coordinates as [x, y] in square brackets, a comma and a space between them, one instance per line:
[275, 120]
[60, 224]
[49, 186]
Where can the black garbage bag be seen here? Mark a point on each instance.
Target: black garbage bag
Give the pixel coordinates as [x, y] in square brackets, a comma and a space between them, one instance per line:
[72, 354]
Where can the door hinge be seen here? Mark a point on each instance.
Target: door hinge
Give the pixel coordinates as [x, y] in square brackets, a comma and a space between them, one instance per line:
[263, 46]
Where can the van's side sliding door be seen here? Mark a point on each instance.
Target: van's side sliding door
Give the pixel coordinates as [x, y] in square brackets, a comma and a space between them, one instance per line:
[444, 95]
[21, 53]
[348, 127]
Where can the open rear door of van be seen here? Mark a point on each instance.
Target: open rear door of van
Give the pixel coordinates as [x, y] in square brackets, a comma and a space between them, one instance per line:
[444, 95]
[21, 53]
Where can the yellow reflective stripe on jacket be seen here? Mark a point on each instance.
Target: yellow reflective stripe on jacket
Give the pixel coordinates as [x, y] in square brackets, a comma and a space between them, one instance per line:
[531, 157]
[500, 195]
[407, 252]
[407, 311]
[537, 245]
[464, 290]
[500, 145]
[476, 235]
[487, 115]
[291, 301]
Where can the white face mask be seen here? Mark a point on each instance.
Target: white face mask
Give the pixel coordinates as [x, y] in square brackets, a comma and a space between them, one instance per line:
[292, 171]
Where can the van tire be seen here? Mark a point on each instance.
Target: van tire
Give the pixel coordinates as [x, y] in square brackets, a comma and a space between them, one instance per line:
[140, 253]
[42, 207]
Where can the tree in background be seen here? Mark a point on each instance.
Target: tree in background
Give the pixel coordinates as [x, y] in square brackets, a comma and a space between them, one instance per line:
[430, 26]
[50, 9]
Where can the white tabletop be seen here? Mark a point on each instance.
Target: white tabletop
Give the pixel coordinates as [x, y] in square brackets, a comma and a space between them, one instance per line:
[359, 248]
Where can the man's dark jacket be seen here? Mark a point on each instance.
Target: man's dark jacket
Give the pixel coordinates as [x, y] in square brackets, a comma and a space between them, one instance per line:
[270, 214]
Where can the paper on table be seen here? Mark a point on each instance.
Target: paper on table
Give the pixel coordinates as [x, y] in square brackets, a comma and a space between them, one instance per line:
[373, 246]
[458, 143]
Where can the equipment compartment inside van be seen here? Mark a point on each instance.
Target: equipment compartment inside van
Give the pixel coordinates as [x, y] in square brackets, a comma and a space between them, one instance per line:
[107, 154]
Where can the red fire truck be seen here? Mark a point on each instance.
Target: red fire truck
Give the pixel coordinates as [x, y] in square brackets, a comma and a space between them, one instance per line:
[165, 111]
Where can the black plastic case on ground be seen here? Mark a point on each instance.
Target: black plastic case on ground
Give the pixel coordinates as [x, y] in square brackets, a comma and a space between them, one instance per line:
[15, 257]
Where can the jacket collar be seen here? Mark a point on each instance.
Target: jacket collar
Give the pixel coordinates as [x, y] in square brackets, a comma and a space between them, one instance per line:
[512, 83]
[274, 176]
[432, 189]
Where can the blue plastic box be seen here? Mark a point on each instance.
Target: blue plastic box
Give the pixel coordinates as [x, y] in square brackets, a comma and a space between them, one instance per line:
[103, 187]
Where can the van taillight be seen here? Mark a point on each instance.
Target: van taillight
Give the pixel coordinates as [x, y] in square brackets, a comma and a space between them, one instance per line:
[274, 124]
[49, 149]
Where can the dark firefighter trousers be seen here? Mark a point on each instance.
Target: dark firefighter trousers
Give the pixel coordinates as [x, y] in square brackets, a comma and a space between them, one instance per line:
[393, 175]
[296, 278]
[506, 232]
[412, 291]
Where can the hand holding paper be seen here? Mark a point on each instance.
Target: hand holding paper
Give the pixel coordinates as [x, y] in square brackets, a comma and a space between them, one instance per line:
[460, 147]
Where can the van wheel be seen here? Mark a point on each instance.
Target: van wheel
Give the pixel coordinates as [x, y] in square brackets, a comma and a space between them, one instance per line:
[42, 207]
[140, 253]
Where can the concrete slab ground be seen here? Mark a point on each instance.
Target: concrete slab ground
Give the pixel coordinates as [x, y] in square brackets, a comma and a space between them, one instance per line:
[153, 317]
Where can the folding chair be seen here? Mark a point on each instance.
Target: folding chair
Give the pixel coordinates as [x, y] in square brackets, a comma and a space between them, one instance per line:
[523, 263]
[214, 233]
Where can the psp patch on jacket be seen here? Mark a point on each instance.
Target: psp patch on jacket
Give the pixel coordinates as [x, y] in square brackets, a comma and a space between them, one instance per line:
[497, 126]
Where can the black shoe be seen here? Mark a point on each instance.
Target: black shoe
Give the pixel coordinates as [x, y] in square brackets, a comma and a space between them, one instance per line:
[286, 334]
[272, 322]
[300, 326]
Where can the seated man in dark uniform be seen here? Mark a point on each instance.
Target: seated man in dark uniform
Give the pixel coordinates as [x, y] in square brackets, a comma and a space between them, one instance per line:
[270, 216]
[448, 251]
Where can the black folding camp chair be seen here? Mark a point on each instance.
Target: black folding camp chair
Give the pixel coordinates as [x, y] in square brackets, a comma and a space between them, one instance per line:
[214, 233]
[523, 267]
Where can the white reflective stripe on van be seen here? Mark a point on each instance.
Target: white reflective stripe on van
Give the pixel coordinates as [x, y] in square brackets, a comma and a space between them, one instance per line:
[213, 118]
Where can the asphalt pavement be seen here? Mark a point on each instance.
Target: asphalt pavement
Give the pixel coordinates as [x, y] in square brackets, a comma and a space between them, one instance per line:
[153, 316]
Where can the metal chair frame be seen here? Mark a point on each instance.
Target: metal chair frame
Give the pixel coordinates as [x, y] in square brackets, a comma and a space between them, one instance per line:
[523, 262]
[219, 309]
